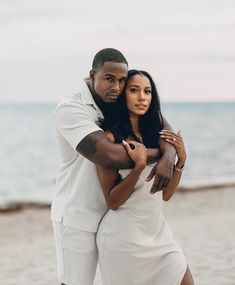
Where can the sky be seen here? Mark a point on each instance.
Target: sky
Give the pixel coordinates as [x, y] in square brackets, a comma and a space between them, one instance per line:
[47, 46]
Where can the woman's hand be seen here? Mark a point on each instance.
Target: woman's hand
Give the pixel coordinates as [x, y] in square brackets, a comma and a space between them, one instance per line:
[177, 141]
[137, 152]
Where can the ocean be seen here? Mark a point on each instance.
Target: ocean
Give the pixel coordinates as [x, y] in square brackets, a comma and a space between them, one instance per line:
[29, 159]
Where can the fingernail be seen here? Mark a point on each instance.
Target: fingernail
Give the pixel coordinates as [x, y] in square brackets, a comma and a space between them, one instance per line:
[162, 136]
[124, 142]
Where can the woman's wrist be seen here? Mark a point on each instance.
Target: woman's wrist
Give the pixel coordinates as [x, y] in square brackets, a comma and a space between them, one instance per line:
[140, 166]
[181, 162]
[180, 165]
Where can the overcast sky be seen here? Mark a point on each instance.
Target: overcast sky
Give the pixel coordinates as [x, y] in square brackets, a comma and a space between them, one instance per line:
[46, 46]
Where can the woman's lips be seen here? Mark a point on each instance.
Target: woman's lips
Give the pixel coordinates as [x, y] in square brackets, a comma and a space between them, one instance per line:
[140, 106]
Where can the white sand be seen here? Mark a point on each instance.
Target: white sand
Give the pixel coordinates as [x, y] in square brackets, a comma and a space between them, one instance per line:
[203, 223]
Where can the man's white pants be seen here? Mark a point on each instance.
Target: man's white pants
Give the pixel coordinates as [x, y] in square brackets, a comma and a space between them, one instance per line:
[77, 255]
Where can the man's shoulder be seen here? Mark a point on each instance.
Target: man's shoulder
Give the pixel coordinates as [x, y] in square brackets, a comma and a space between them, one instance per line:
[80, 98]
[74, 99]
[73, 107]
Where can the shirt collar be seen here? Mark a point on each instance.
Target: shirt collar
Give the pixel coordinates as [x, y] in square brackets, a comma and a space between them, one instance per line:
[87, 97]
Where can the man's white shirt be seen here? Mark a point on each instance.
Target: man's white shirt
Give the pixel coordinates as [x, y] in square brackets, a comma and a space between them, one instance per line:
[78, 201]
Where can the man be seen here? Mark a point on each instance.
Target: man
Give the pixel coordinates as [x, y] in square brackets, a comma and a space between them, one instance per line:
[78, 205]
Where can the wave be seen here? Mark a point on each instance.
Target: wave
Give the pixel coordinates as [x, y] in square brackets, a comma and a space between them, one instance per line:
[22, 205]
[18, 206]
[218, 186]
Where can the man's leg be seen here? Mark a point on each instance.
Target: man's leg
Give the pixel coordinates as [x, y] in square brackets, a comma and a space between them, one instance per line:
[77, 255]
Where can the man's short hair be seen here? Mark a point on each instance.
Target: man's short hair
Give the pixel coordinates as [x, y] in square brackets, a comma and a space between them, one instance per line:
[108, 54]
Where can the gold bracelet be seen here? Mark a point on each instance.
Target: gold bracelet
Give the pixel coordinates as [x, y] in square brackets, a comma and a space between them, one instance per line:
[179, 169]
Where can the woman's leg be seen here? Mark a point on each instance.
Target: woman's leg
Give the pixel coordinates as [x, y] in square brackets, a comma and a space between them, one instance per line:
[188, 278]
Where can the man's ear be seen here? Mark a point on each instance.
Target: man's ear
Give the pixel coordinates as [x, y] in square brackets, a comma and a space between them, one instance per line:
[92, 74]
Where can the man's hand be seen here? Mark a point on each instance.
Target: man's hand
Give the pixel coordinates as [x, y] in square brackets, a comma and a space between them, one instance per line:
[162, 173]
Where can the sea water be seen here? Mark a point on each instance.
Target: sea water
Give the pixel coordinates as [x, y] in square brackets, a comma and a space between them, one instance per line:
[29, 160]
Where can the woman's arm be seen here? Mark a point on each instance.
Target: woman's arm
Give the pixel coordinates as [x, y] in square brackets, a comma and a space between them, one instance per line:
[177, 141]
[117, 191]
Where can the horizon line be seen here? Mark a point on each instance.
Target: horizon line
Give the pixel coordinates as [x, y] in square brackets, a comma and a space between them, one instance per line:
[162, 101]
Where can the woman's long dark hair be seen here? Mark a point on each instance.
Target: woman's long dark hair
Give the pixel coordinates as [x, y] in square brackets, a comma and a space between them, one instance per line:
[118, 121]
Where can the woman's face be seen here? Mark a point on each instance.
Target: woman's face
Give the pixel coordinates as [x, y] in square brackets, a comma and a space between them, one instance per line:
[138, 94]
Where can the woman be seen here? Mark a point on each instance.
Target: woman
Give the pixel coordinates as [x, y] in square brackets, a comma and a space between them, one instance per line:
[135, 243]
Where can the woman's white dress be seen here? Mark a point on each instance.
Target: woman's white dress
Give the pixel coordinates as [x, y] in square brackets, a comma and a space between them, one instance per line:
[135, 243]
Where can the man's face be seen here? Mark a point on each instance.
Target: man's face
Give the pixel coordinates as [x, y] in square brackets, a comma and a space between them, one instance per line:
[109, 80]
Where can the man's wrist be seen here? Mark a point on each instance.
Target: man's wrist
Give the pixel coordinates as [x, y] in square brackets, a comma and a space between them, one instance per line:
[169, 158]
[153, 155]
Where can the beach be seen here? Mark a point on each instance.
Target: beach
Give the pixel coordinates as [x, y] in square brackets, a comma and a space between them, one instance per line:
[203, 222]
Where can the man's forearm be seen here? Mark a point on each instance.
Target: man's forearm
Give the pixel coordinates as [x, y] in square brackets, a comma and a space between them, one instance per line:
[162, 171]
[96, 148]
[167, 150]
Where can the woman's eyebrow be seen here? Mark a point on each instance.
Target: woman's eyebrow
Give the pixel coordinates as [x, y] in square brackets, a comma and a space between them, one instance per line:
[133, 85]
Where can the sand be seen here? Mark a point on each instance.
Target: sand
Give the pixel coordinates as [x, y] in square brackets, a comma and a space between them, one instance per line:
[203, 222]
